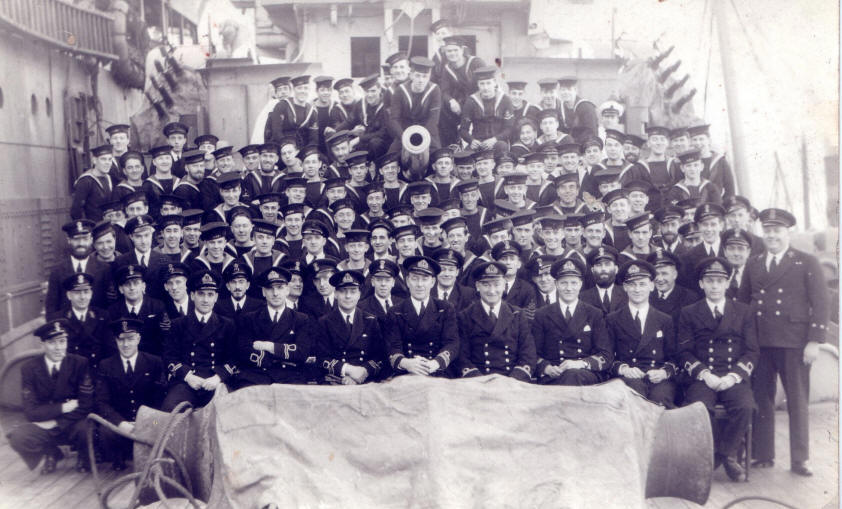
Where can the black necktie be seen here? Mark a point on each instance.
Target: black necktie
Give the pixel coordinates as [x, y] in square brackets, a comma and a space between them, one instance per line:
[774, 264]
[133, 312]
[716, 314]
[421, 312]
[446, 294]
[567, 315]
[78, 267]
[348, 321]
[493, 317]
[143, 261]
[129, 370]
[663, 295]
[54, 372]
[637, 322]
[606, 304]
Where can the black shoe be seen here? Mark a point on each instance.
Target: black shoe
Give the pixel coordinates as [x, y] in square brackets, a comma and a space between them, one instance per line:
[801, 468]
[762, 463]
[49, 465]
[118, 465]
[82, 466]
[734, 470]
[717, 460]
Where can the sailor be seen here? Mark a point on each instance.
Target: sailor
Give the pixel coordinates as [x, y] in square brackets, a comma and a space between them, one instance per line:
[78, 260]
[94, 187]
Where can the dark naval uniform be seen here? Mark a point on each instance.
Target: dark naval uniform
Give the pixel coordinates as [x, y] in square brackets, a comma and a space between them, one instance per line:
[151, 312]
[653, 349]
[502, 346]
[616, 298]
[409, 108]
[203, 348]
[678, 298]
[90, 193]
[290, 119]
[723, 345]
[582, 337]
[434, 335]
[487, 118]
[87, 338]
[361, 344]
[294, 348]
[789, 301]
[55, 299]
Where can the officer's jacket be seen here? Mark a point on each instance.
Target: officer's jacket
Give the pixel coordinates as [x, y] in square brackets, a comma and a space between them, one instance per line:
[119, 396]
[617, 299]
[726, 346]
[522, 295]
[504, 347]
[56, 298]
[433, 335]
[653, 349]
[151, 313]
[790, 303]
[583, 337]
[362, 345]
[460, 296]
[206, 349]
[225, 306]
[42, 396]
[291, 335]
[677, 299]
[88, 338]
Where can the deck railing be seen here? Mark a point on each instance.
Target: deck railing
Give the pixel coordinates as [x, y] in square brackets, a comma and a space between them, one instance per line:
[59, 23]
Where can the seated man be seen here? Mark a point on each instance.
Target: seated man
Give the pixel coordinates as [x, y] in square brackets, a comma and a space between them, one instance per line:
[274, 341]
[717, 345]
[350, 344]
[125, 381]
[198, 349]
[643, 338]
[494, 335]
[570, 338]
[421, 334]
[57, 394]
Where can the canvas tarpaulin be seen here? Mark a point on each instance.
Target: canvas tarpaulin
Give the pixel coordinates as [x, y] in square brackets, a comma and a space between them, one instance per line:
[421, 442]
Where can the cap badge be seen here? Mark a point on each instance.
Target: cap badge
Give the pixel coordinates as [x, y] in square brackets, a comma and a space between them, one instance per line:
[125, 326]
[170, 268]
[80, 279]
[634, 269]
[273, 275]
[569, 266]
[57, 327]
[207, 279]
[422, 264]
[79, 226]
[348, 278]
[492, 270]
[717, 266]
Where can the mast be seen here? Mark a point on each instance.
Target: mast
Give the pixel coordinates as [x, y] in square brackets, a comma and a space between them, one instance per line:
[739, 157]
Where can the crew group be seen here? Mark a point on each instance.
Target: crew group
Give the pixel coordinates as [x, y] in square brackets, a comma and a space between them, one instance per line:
[329, 257]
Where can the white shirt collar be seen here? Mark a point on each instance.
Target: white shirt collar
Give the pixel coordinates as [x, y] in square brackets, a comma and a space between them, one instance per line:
[776, 257]
[137, 306]
[132, 360]
[643, 311]
[202, 317]
[183, 305]
[720, 305]
[80, 315]
[383, 302]
[417, 304]
[712, 247]
[603, 291]
[276, 313]
[83, 263]
[495, 309]
[139, 256]
[51, 364]
[563, 305]
[666, 294]
[347, 317]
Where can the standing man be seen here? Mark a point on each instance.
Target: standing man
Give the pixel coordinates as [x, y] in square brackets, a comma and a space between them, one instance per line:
[572, 343]
[80, 259]
[487, 116]
[717, 346]
[457, 83]
[417, 102]
[789, 298]
[94, 187]
[575, 111]
[118, 138]
[57, 394]
[494, 335]
[716, 167]
[421, 334]
[643, 337]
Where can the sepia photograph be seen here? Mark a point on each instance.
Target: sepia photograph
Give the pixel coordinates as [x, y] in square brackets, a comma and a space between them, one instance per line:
[433, 254]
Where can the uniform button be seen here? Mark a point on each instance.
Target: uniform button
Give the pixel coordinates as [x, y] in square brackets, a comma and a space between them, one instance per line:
[777, 313]
[634, 360]
[131, 392]
[561, 352]
[579, 350]
[486, 345]
[507, 359]
[710, 366]
[212, 354]
[192, 354]
[729, 341]
[578, 340]
[710, 350]
[343, 359]
[487, 370]
[361, 359]
[132, 401]
[431, 343]
[730, 349]
[710, 359]
[729, 366]
[762, 291]
[409, 352]
[488, 363]
[710, 341]
[760, 301]
[486, 354]
[193, 364]
[778, 301]
[410, 345]
[631, 351]
[759, 313]
[653, 351]
[362, 352]
[729, 359]
[780, 290]
[508, 368]
[211, 344]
